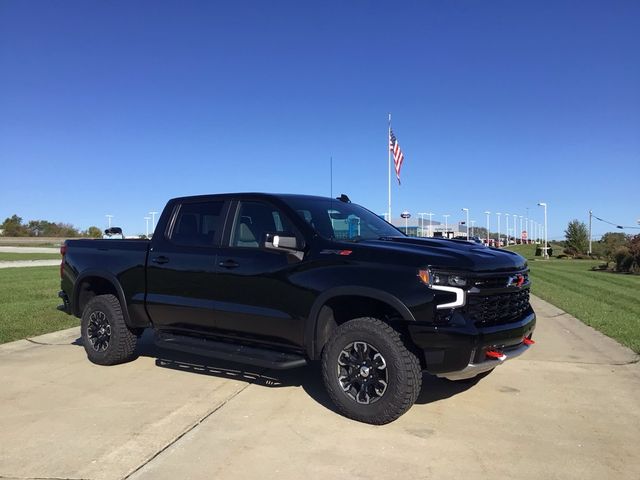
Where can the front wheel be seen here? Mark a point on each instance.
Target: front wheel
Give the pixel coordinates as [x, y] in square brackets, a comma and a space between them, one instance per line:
[369, 373]
[105, 335]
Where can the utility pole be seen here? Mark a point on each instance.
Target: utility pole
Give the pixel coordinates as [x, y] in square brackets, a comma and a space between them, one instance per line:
[109, 217]
[498, 214]
[590, 215]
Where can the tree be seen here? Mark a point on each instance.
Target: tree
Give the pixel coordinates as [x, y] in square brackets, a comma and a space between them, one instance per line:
[577, 238]
[13, 227]
[634, 250]
[94, 232]
[611, 242]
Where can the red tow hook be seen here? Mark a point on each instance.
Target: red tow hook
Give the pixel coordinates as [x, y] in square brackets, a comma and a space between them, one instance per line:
[495, 354]
[528, 341]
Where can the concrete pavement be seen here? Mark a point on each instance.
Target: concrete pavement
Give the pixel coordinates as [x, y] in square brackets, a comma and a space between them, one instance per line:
[5, 249]
[29, 263]
[568, 409]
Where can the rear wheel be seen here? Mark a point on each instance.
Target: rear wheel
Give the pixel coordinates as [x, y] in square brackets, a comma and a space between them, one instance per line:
[369, 373]
[105, 335]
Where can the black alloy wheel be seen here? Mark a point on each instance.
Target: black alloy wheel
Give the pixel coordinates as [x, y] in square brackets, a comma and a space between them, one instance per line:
[362, 372]
[99, 331]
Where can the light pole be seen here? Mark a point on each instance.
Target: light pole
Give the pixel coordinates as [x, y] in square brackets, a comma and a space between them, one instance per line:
[521, 231]
[526, 226]
[531, 230]
[153, 221]
[515, 228]
[430, 223]
[506, 216]
[406, 215]
[544, 249]
[109, 217]
[498, 214]
[487, 213]
[422, 214]
[147, 221]
[467, 210]
[472, 224]
[446, 224]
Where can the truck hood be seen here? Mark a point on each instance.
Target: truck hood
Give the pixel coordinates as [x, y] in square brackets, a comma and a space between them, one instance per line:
[450, 254]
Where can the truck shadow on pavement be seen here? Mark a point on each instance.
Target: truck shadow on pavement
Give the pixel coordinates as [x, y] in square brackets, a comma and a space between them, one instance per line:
[309, 377]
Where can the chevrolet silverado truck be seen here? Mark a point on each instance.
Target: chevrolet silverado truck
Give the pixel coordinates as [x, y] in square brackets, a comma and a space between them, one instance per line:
[279, 281]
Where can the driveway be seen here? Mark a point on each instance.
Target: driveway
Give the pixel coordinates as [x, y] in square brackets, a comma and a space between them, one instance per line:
[567, 409]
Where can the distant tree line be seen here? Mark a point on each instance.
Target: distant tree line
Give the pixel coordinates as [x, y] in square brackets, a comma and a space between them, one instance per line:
[15, 227]
[618, 248]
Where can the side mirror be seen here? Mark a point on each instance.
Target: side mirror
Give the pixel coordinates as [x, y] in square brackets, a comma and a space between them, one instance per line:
[284, 241]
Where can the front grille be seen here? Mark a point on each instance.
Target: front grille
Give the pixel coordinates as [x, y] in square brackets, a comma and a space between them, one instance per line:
[497, 309]
[499, 281]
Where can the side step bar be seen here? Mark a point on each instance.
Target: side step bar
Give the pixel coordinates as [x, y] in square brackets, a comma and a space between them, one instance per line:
[261, 357]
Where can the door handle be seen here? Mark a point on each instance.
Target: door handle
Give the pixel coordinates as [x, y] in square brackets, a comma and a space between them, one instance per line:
[160, 260]
[229, 264]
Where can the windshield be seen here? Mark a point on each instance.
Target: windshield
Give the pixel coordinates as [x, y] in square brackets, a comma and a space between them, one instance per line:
[338, 220]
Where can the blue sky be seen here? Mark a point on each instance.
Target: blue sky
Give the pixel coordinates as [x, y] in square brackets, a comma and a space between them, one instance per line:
[114, 107]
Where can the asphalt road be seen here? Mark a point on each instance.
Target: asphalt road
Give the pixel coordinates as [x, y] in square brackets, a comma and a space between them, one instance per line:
[567, 409]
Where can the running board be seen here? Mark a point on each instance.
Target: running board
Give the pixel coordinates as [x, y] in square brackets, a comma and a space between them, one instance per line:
[260, 357]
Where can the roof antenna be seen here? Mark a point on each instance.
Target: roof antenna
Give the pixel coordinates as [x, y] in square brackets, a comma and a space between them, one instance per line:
[331, 176]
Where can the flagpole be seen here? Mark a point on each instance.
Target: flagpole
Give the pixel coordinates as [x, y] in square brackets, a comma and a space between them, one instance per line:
[389, 151]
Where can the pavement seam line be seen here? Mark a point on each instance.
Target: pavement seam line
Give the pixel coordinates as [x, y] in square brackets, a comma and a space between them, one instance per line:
[46, 344]
[188, 429]
[42, 478]
[631, 362]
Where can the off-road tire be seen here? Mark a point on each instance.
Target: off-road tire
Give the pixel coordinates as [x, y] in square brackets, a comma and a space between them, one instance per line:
[403, 376]
[121, 344]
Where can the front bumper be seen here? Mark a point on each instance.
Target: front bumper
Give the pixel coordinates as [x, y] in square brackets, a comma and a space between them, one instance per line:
[459, 352]
[475, 369]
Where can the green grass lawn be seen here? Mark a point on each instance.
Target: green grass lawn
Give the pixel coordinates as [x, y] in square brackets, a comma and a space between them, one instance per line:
[11, 257]
[609, 302]
[28, 301]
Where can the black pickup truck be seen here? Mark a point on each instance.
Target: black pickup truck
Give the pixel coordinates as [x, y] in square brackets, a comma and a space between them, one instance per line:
[279, 281]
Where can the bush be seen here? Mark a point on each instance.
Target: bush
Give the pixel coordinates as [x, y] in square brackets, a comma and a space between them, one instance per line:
[624, 259]
[634, 250]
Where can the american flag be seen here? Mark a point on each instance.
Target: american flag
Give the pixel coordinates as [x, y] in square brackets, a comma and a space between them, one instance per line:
[398, 156]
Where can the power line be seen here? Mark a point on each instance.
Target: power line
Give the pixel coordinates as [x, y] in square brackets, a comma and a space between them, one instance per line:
[621, 227]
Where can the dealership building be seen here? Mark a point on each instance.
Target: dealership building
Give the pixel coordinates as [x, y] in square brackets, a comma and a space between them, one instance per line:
[418, 227]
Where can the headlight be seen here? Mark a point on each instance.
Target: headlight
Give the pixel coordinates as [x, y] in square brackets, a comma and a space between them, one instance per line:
[429, 277]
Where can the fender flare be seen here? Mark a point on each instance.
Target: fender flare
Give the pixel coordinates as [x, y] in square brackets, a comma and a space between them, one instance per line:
[107, 276]
[311, 327]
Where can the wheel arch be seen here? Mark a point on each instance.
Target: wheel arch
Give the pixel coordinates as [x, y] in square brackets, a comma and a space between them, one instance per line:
[361, 301]
[93, 283]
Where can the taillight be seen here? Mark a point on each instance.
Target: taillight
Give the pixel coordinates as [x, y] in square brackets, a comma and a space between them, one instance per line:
[63, 252]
